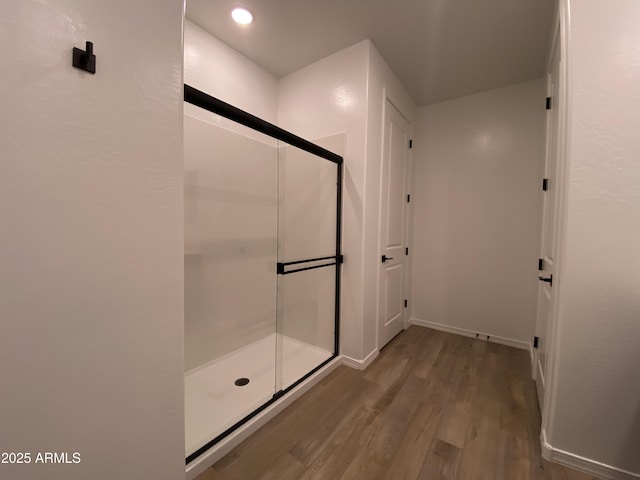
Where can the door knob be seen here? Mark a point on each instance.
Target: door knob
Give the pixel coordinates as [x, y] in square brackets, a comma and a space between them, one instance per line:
[548, 280]
[385, 258]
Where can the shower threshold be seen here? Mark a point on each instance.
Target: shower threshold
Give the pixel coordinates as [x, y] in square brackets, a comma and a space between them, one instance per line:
[213, 401]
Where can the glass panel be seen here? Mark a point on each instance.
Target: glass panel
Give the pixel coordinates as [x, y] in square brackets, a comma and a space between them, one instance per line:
[249, 203]
[306, 319]
[307, 208]
[230, 272]
[307, 230]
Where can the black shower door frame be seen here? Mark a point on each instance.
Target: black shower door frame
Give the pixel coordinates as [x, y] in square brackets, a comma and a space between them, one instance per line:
[214, 105]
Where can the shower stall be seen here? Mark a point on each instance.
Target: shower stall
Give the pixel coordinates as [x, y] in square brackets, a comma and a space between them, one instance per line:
[262, 264]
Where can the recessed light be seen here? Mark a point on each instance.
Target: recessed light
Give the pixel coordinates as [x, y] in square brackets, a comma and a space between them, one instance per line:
[242, 16]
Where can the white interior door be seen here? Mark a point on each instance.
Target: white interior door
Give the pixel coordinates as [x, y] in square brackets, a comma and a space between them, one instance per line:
[393, 232]
[547, 260]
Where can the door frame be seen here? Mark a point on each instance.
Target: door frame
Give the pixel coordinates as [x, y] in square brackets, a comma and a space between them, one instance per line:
[548, 232]
[408, 217]
[563, 103]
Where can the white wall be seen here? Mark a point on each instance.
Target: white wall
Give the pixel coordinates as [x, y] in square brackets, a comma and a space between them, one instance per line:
[479, 163]
[595, 399]
[220, 71]
[91, 330]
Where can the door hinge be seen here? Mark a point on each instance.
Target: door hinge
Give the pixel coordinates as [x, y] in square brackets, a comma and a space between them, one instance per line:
[540, 264]
[545, 184]
[408, 198]
[406, 251]
[410, 143]
[535, 342]
[406, 303]
[548, 103]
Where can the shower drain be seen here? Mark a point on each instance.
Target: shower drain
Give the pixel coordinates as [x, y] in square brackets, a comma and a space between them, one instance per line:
[241, 382]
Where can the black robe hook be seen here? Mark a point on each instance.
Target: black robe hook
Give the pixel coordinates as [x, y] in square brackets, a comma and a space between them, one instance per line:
[85, 60]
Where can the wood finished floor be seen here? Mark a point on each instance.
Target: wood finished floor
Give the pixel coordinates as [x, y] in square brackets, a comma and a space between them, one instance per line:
[433, 405]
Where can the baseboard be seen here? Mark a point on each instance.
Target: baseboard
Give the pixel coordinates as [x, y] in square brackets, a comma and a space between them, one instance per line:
[473, 334]
[582, 464]
[544, 445]
[532, 356]
[360, 364]
[234, 439]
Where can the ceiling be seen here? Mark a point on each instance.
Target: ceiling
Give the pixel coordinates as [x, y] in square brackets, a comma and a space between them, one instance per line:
[440, 49]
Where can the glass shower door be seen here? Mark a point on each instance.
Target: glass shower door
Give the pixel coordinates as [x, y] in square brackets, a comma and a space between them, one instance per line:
[262, 264]
[307, 232]
[230, 208]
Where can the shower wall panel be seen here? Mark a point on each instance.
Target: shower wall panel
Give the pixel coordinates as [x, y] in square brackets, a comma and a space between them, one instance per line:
[230, 237]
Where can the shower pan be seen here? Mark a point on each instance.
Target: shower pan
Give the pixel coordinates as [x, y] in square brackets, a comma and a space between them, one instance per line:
[262, 264]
